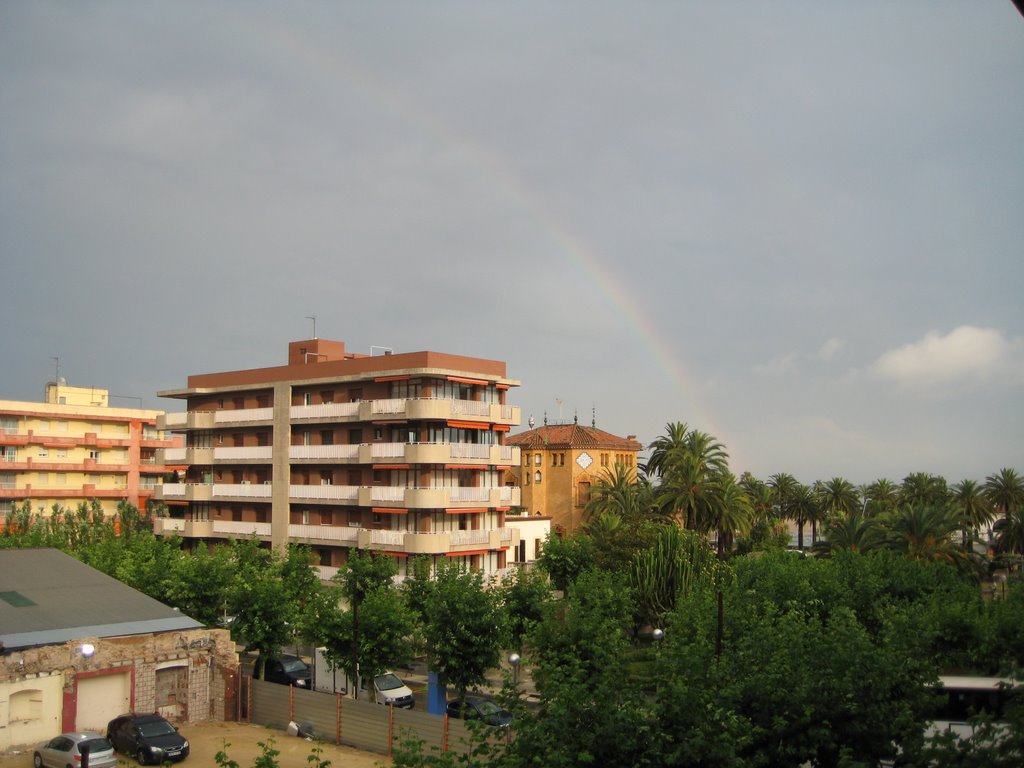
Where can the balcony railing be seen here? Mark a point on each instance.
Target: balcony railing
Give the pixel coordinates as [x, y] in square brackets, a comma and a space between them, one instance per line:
[172, 455]
[323, 452]
[388, 407]
[242, 490]
[324, 492]
[470, 494]
[470, 408]
[388, 538]
[470, 451]
[241, 528]
[385, 493]
[468, 537]
[174, 420]
[324, 411]
[323, 532]
[235, 453]
[387, 450]
[243, 414]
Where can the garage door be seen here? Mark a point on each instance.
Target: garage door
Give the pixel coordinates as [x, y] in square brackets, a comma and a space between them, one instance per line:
[101, 699]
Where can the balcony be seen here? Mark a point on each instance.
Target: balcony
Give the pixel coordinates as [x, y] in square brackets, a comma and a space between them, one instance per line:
[184, 492]
[325, 411]
[185, 421]
[241, 415]
[345, 493]
[259, 491]
[443, 543]
[192, 456]
[327, 534]
[241, 529]
[346, 453]
[437, 498]
[255, 453]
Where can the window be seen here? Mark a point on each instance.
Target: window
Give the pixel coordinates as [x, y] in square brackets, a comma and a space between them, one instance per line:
[62, 478]
[536, 460]
[326, 437]
[8, 453]
[355, 436]
[355, 395]
[43, 453]
[327, 396]
[378, 433]
[94, 454]
[62, 426]
[307, 399]
[325, 477]
[604, 459]
[305, 437]
[536, 477]
[526, 459]
[62, 453]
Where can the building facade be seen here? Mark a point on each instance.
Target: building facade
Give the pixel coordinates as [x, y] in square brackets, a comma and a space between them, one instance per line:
[559, 464]
[402, 454]
[74, 447]
[80, 648]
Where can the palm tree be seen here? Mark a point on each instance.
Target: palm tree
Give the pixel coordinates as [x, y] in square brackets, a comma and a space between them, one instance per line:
[802, 508]
[664, 446]
[855, 532]
[880, 496]
[973, 506]
[1005, 491]
[783, 485]
[688, 465]
[619, 490]
[926, 532]
[733, 512]
[922, 489]
[836, 498]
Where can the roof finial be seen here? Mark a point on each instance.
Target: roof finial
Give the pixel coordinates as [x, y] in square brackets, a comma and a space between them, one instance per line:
[545, 417]
[593, 416]
[575, 417]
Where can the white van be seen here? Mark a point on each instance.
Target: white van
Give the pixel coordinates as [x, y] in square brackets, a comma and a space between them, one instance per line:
[387, 688]
[959, 698]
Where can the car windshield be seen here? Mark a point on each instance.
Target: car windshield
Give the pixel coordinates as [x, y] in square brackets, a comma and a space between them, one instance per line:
[151, 728]
[294, 665]
[388, 682]
[488, 707]
[94, 745]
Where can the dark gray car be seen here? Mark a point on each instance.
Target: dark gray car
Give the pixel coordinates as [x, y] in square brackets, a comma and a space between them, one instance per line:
[147, 738]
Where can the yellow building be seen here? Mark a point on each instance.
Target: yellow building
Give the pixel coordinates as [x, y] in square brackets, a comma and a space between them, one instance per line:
[560, 462]
[74, 447]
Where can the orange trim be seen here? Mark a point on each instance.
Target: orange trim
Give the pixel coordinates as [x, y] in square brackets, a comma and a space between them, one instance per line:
[465, 510]
[502, 386]
[501, 427]
[470, 552]
[392, 466]
[394, 554]
[388, 511]
[503, 549]
[464, 380]
[503, 466]
[468, 424]
[464, 466]
[176, 503]
[392, 378]
[502, 509]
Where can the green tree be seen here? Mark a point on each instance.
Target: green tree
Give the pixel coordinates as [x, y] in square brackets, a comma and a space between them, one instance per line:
[926, 532]
[464, 628]
[922, 489]
[524, 596]
[853, 532]
[564, 558]
[880, 497]
[199, 581]
[973, 507]
[802, 507]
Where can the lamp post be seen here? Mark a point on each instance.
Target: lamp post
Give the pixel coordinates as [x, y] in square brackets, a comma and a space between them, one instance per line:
[513, 660]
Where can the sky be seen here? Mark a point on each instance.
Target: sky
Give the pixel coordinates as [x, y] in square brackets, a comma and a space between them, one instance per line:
[794, 225]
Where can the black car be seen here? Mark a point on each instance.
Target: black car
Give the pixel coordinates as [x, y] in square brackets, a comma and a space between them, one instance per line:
[480, 708]
[287, 670]
[150, 738]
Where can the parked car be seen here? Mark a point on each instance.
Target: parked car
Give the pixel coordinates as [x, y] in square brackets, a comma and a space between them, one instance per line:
[287, 670]
[480, 708]
[390, 690]
[149, 738]
[67, 749]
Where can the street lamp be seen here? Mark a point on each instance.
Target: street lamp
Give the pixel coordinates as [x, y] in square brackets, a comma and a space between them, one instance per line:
[513, 660]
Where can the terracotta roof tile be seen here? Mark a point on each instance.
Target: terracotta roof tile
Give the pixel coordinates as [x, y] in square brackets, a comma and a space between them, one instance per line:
[572, 436]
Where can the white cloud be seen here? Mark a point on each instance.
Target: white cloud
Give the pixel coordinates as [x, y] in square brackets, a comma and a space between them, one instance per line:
[967, 355]
[831, 348]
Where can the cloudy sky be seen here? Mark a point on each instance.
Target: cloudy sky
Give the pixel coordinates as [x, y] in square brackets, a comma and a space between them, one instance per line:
[795, 225]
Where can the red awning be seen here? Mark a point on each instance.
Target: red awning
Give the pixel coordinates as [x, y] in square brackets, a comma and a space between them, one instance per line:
[388, 511]
[392, 466]
[470, 552]
[464, 380]
[391, 378]
[465, 510]
[469, 424]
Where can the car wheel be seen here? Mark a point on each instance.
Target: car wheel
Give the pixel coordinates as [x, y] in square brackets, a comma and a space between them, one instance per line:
[141, 756]
[37, 760]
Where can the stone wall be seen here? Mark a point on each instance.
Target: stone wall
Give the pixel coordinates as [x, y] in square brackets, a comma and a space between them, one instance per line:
[207, 657]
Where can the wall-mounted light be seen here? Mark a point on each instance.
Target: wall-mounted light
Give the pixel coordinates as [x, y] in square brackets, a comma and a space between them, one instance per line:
[88, 649]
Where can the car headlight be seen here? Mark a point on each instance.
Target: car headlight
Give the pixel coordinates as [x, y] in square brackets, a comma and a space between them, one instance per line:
[185, 746]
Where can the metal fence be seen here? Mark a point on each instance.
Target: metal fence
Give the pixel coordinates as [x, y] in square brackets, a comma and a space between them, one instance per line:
[335, 718]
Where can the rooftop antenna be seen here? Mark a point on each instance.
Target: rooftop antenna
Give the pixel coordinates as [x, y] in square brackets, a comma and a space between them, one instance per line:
[313, 318]
[593, 416]
[56, 379]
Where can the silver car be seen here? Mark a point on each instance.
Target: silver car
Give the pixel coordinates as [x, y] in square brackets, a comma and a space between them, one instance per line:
[65, 751]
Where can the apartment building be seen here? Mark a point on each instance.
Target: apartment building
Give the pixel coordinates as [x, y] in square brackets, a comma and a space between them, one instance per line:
[74, 447]
[402, 454]
[560, 463]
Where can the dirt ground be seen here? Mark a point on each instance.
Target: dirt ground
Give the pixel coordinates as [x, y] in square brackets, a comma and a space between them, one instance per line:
[206, 739]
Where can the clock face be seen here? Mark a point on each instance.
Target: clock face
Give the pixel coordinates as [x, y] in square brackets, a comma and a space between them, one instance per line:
[584, 460]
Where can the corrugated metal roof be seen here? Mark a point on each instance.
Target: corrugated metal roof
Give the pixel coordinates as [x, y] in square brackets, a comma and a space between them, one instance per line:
[72, 600]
